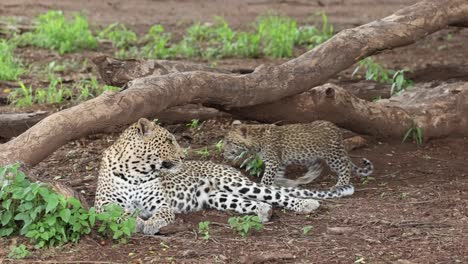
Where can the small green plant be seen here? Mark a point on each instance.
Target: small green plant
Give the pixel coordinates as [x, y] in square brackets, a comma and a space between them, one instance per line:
[204, 229]
[278, 35]
[374, 71]
[115, 223]
[378, 73]
[399, 82]
[53, 31]
[312, 36]
[10, 67]
[219, 146]
[194, 124]
[22, 97]
[122, 39]
[246, 45]
[48, 218]
[55, 93]
[191, 45]
[253, 165]
[415, 132]
[204, 152]
[157, 44]
[90, 88]
[119, 35]
[245, 224]
[18, 252]
[306, 229]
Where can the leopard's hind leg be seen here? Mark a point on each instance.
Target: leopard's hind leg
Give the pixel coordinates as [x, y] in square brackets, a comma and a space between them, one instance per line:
[339, 162]
[276, 196]
[223, 201]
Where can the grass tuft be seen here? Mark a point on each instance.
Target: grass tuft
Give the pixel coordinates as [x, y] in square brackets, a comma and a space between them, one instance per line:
[10, 67]
[54, 32]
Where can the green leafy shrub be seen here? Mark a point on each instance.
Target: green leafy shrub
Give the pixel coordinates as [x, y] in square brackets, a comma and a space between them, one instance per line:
[204, 229]
[204, 152]
[253, 165]
[219, 146]
[48, 218]
[90, 88]
[22, 97]
[415, 132]
[10, 67]
[378, 73]
[312, 36]
[119, 35]
[245, 224]
[122, 39]
[194, 124]
[53, 31]
[157, 44]
[115, 222]
[18, 252]
[247, 45]
[55, 93]
[278, 35]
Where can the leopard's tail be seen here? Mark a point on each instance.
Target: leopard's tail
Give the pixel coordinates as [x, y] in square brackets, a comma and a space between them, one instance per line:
[364, 171]
[335, 192]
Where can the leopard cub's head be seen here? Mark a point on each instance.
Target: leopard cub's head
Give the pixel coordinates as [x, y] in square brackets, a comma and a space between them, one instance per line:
[145, 148]
[241, 139]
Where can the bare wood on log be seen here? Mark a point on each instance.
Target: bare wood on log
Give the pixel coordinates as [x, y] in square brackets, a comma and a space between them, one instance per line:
[148, 96]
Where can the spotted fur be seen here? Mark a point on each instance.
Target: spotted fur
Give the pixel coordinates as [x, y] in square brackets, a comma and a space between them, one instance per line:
[302, 144]
[144, 170]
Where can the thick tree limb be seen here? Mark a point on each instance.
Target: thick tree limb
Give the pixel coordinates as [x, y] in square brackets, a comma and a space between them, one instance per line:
[438, 111]
[148, 96]
[14, 124]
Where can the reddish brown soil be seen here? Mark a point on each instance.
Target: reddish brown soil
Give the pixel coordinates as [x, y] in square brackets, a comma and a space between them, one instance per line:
[415, 211]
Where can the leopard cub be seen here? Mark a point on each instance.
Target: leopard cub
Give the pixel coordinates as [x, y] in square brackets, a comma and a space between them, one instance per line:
[301, 144]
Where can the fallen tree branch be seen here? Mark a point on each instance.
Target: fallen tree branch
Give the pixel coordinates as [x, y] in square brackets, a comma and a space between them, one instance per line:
[438, 111]
[14, 124]
[145, 97]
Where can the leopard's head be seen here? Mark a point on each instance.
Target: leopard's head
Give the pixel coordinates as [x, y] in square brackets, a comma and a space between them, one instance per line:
[240, 139]
[145, 148]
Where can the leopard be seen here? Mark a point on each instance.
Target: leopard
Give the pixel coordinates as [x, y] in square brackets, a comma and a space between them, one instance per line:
[304, 144]
[145, 172]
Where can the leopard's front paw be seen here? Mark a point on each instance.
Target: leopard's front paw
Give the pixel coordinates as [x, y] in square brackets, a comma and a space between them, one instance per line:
[140, 224]
[152, 226]
[264, 212]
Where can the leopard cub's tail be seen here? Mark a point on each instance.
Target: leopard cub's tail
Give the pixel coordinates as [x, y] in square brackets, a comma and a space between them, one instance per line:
[364, 171]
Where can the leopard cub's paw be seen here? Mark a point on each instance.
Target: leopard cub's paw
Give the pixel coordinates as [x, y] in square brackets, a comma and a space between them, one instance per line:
[152, 226]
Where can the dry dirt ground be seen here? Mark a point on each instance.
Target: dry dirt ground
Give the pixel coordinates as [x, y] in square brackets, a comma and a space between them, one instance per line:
[415, 211]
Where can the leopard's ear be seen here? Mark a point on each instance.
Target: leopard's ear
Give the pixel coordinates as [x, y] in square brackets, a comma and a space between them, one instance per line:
[144, 126]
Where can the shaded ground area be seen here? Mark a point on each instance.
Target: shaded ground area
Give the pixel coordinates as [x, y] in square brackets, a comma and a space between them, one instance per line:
[415, 211]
